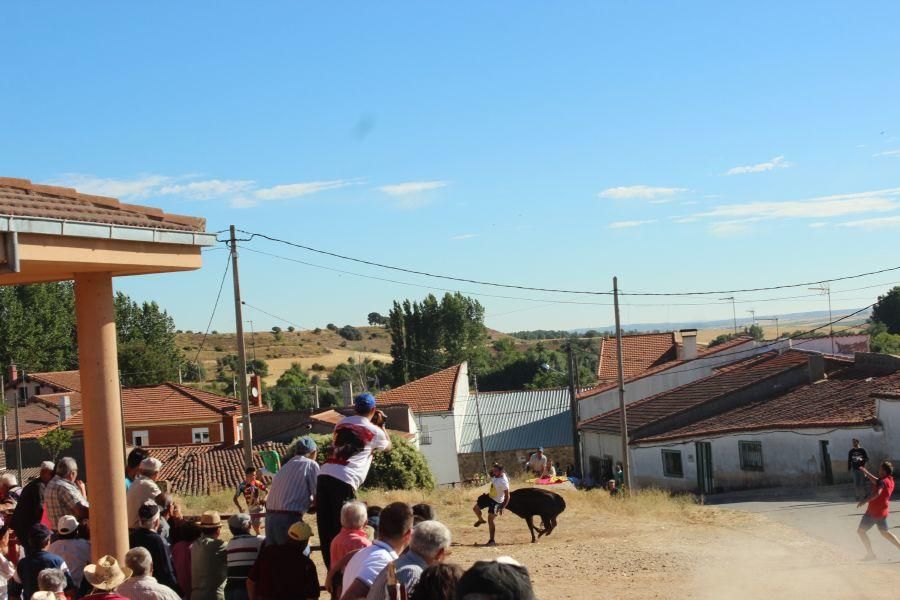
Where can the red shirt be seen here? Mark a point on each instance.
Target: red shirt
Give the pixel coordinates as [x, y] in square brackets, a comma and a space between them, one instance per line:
[347, 541]
[878, 508]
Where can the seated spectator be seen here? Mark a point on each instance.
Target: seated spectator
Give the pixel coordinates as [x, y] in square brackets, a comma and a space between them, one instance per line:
[105, 576]
[394, 531]
[501, 579]
[352, 536]
[266, 579]
[51, 585]
[438, 582]
[429, 545]
[29, 567]
[209, 568]
[144, 488]
[72, 547]
[146, 536]
[242, 549]
[183, 536]
[142, 585]
[611, 487]
[423, 512]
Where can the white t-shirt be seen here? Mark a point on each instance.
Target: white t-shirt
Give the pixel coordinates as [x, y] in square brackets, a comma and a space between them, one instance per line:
[141, 490]
[499, 488]
[537, 464]
[355, 441]
[77, 554]
[368, 563]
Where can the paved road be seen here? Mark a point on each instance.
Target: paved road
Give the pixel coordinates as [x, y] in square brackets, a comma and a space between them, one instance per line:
[828, 514]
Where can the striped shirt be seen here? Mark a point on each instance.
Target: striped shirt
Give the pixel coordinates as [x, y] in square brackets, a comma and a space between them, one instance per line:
[242, 552]
[60, 497]
[293, 487]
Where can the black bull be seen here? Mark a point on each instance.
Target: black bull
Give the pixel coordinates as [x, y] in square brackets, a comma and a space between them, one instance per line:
[530, 502]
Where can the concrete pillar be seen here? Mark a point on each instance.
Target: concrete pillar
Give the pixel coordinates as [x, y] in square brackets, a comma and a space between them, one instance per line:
[102, 413]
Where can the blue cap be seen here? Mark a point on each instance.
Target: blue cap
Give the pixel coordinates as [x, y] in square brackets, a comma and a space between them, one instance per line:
[305, 445]
[364, 402]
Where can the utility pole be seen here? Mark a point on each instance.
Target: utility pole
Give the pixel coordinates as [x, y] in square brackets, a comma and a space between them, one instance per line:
[480, 431]
[19, 434]
[623, 417]
[733, 312]
[242, 354]
[573, 407]
[316, 405]
[826, 289]
[752, 315]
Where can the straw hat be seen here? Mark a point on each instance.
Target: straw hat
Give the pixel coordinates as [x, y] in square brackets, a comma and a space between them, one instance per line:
[106, 574]
[210, 520]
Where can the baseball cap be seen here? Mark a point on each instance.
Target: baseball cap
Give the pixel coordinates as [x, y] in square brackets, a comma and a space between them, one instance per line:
[300, 531]
[148, 510]
[501, 579]
[541, 449]
[364, 402]
[39, 535]
[239, 521]
[67, 524]
[305, 445]
[48, 466]
[150, 464]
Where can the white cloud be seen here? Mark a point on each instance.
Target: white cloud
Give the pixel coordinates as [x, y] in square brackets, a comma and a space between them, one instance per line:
[888, 153]
[464, 236]
[296, 190]
[874, 223]
[207, 190]
[730, 228]
[684, 219]
[690, 202]
[776, 163]
[823, 207]
[627, 224]
[661, 201]
[818, 225]
[411, 187]
[138, 187]
[642, 192]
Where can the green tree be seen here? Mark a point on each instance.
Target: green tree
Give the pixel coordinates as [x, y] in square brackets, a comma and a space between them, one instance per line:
[56, 441]
[146, 337]
[887, 310]
[194, 371]
[37, 326]
[291, 391]
[277, 333]
[431, 334]
[375, 318]
[403, 468]
[756, 332]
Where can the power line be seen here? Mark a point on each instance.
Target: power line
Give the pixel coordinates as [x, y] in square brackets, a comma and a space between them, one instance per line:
[215, 306]
[558, 290]
[289, 322]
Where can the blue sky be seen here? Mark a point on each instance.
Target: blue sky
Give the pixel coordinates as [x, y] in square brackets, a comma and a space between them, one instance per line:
[680, 146]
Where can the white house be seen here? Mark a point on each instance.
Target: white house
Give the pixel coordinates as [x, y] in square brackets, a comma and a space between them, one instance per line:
[776, 420]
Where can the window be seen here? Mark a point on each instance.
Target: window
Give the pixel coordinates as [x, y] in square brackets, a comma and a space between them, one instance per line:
[200, 435]
[23, 395]
[751, 456]
[424, 437]
[140, 438]
[672, 463]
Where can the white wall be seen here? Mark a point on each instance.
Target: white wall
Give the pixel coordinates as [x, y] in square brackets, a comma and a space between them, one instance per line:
[789, 458]
[461, 402]
[888, 413]
[441, 452]
[669, 379]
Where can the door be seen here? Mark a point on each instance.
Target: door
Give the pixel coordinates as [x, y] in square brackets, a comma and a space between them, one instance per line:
[704, 467]
[827, 473]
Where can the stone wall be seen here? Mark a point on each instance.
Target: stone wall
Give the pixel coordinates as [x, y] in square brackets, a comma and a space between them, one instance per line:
[512, 460]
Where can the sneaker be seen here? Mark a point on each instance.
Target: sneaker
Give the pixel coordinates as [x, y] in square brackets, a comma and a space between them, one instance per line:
[479, 522]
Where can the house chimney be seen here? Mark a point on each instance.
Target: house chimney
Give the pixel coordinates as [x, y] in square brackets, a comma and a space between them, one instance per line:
[13, 373]
[347, 393]
[65, 409]
[255, 390]
[688, 344]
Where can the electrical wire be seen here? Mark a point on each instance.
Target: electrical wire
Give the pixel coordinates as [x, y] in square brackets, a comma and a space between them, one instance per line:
[282, 319]
[215, 307]
[558, 290]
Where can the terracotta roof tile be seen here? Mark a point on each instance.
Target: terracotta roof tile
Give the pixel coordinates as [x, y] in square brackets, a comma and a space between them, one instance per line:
[432, 393]
[22, 198]
[844, 399]
[64, 381]
[737, 376]
[639, 353]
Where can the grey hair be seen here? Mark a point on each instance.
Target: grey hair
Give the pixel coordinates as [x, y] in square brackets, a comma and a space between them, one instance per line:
[65, 466]
[152, 523]
[354, 515]
[429, 538]
[9, 480]
[51, 580]
[139, 561]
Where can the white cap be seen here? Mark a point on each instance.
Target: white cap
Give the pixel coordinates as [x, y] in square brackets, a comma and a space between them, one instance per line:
[151, 465]
[67, 524]
[48, 466]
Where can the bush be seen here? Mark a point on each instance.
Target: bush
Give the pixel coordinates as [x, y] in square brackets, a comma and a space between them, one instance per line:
[403, 468]
[218, 348]
[291, 329]
[350, 333]
[317, 367]
[317, 330]
[331, 327]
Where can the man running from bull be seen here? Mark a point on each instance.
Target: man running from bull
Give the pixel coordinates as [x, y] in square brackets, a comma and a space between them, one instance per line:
[877, 511]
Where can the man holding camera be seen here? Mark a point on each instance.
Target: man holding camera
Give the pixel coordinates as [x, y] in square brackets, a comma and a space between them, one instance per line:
[355, 440]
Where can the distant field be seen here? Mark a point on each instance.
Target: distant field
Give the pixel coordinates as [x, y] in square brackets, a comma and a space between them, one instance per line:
[333, 358]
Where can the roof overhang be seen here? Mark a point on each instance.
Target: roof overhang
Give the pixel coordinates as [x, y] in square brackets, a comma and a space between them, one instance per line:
[39, 250]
